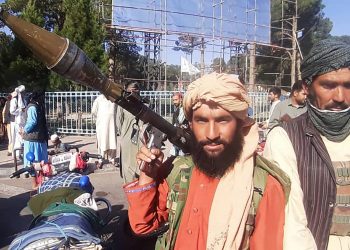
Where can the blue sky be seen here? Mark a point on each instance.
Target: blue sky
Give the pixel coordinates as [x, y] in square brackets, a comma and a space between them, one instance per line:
[338, 12]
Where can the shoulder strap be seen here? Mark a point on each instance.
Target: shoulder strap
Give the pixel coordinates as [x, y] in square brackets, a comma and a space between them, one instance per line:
[262, 169]
[262, 164]
[259, 182]
[178, 181]
[180, 162]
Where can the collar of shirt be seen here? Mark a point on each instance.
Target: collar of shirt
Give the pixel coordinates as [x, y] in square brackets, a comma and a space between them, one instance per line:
[289, 103]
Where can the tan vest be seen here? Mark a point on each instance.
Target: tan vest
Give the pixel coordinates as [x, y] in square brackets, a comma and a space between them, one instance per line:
[341, 216]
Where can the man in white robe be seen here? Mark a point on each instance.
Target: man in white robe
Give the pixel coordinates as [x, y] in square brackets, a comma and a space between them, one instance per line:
[105, 113]
[17, 108]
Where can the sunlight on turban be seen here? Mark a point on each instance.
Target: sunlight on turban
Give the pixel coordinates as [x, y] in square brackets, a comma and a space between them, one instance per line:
[325, 56]
[225, 90]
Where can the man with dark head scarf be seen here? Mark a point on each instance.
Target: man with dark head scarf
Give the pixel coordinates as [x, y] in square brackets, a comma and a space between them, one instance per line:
[207, 198]
[313, 149]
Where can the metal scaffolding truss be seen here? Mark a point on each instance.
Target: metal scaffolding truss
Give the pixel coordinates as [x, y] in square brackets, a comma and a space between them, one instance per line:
[229, 30]
[152, 53]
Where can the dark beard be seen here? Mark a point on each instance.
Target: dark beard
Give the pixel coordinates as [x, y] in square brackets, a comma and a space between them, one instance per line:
[218, 165]
[312, 99]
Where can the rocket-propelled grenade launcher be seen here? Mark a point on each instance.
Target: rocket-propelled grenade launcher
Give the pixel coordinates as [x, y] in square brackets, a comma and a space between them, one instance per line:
[68, 60]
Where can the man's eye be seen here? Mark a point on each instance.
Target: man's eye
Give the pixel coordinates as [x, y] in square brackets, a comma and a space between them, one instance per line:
[223, 121]
[199, 120]
[328, 86]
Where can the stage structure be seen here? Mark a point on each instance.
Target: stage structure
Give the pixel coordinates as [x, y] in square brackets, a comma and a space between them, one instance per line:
[210, 33]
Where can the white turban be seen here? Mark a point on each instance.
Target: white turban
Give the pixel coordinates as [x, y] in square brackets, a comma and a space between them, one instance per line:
[54, 137]
[18, 92]
[20, 88]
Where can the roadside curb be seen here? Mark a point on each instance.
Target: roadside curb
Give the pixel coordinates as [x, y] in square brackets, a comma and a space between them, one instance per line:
[10, 190]
[5, 172]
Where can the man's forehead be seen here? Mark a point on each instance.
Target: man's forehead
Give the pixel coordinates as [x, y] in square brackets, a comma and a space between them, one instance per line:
[210, 106]
[338, 75]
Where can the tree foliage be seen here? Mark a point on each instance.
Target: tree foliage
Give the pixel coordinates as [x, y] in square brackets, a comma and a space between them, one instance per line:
[173, 72]
[125, 61]
[75, 19]
[313, 27]
[187, 43]
[81, 26]
[5, 60]
[21, 67]
[219, 65]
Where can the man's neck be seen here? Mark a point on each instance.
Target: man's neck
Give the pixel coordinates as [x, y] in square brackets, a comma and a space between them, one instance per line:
[294, 102]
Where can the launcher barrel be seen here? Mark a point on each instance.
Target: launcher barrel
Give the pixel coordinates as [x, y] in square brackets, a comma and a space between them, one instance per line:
[68, 60]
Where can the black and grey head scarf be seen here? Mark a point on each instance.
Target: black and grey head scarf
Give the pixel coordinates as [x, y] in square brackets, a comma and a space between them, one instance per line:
[334, 125]
[326, 56]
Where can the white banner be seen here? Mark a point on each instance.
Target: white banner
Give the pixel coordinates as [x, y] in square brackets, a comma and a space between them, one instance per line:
[186, 66]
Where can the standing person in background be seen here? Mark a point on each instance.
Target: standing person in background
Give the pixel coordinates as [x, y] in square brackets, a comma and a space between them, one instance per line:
[106, 132]
[313, 149]
[129, 128]
[35, 132]
[179, 119]
[291, 107]
[8, 119]
[2, 123]
[17, 108]
[274, 98]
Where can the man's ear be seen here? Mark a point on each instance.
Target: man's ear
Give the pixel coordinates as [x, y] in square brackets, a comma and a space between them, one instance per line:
[190, 123]
[306, 87]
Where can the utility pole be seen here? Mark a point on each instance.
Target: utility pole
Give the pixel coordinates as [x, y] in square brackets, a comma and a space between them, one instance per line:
[252, 50]
[202, 56]
[294, 51]
[298, 66]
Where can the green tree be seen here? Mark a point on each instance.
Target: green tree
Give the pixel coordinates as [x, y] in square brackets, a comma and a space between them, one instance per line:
[173, 72]
[219, 65]
[313, 23]
[187, 43]
[81, 26]
[77, 20]
[5, 59]
[124, 58]
[314, 26]
[21, 66]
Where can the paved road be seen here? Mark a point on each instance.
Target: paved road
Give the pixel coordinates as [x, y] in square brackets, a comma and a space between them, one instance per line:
[15, 216]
